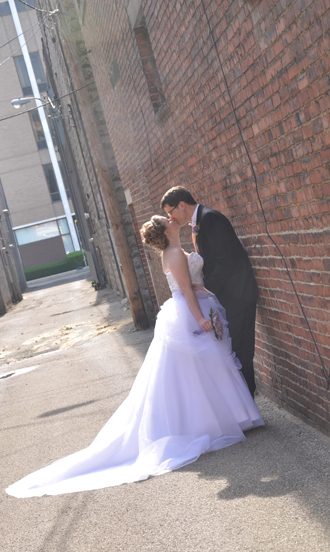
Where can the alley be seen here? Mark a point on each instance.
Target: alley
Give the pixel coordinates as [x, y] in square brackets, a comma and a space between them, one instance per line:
[68, 358]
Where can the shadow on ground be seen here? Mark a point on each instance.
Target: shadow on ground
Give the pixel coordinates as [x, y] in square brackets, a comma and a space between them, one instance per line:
[286, 457]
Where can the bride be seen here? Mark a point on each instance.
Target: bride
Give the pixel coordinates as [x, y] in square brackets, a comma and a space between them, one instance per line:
[188, 398]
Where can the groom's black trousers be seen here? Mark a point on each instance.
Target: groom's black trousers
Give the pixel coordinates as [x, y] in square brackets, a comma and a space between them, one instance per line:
[242, 332]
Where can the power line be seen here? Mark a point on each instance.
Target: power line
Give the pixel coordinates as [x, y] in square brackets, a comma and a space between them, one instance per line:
[35, 32]
[38, 9]
[15, 37]
[47, 103]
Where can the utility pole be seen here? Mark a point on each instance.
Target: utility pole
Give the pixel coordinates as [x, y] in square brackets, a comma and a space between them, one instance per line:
[108, 189]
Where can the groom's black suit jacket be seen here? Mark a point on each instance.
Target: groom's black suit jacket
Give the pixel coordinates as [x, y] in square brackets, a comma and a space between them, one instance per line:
[227, 269]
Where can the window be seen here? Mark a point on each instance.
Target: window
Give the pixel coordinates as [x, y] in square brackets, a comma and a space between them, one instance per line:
[52, 183]
[66, 237]
[60, 133]
[63, 224]
[5, 9]
[23, 7]
[24, 77]
[114, 74]
[38, 71]
[37, 232]
[148, 62]
[37, 130]
[44, 231]
[67, 242]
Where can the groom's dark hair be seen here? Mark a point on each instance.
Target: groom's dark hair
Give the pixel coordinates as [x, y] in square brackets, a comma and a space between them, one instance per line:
[174, 195]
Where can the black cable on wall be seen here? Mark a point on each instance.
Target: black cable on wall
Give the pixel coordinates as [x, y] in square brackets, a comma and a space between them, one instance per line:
[325, 373]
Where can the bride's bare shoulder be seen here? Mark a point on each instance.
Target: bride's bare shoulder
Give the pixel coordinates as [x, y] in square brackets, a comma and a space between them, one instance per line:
[173, 251]
[172, 255]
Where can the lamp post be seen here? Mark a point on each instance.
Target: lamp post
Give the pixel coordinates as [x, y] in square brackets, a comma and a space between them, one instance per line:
[17, 103]
[44, 123]
[22, 101]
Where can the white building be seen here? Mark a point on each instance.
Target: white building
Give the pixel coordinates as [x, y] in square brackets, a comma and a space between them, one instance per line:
[30, 166]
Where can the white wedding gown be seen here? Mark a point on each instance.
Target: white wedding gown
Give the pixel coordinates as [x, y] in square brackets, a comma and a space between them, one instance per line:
[188, 398]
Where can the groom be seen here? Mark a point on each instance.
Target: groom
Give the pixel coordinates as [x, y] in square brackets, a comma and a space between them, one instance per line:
[227, 270]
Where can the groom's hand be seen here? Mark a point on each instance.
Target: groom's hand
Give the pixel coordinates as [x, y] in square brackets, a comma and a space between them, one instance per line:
[198, 287]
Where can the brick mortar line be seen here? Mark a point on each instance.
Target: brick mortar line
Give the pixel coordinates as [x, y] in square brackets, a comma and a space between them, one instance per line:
[309, 394]
[292, 362]
[289, 312]
[293, 256]
[277, 333]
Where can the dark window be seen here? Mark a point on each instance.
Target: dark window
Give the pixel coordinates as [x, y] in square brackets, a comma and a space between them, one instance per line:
[37, 130]
[60, 133]
[52, 184]
[114, 74]
[82, 10]
[24, 77]
[23, 7]
[148, 62]
[4, 8]
[63, 173]
[38, 71]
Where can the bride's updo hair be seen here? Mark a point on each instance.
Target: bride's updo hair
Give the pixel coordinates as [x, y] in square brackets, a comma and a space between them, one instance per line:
[153, 233]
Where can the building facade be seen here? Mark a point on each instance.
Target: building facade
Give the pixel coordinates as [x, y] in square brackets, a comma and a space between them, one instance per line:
[230, 99]
[40, 221]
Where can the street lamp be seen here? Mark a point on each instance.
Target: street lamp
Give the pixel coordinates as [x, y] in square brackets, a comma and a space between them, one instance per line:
[18, 102]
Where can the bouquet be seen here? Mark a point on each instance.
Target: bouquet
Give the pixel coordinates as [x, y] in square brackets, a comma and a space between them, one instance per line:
[216, 325]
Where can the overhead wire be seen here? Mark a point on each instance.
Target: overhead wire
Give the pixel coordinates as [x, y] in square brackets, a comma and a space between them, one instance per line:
[35, 32]
[36, 9]
[46, 103]
[16, 37]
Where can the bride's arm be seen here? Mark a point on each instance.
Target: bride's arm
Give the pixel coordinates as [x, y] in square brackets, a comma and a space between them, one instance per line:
[177, 263]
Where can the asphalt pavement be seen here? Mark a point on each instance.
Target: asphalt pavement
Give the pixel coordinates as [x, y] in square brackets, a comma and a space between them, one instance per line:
[68, 357]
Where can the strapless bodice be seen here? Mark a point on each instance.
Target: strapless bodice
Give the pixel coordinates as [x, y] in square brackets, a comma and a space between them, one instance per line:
[195, 265]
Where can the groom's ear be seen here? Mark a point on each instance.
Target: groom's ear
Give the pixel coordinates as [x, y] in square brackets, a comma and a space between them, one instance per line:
[183, 207]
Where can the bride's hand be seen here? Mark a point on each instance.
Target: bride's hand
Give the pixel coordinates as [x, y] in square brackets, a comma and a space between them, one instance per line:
[205, 324]
[198, 287]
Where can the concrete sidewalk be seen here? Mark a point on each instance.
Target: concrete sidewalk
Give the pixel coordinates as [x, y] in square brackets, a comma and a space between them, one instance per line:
[270, 493]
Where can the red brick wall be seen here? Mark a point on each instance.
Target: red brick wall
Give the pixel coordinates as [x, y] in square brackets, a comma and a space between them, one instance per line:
[275, 55]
